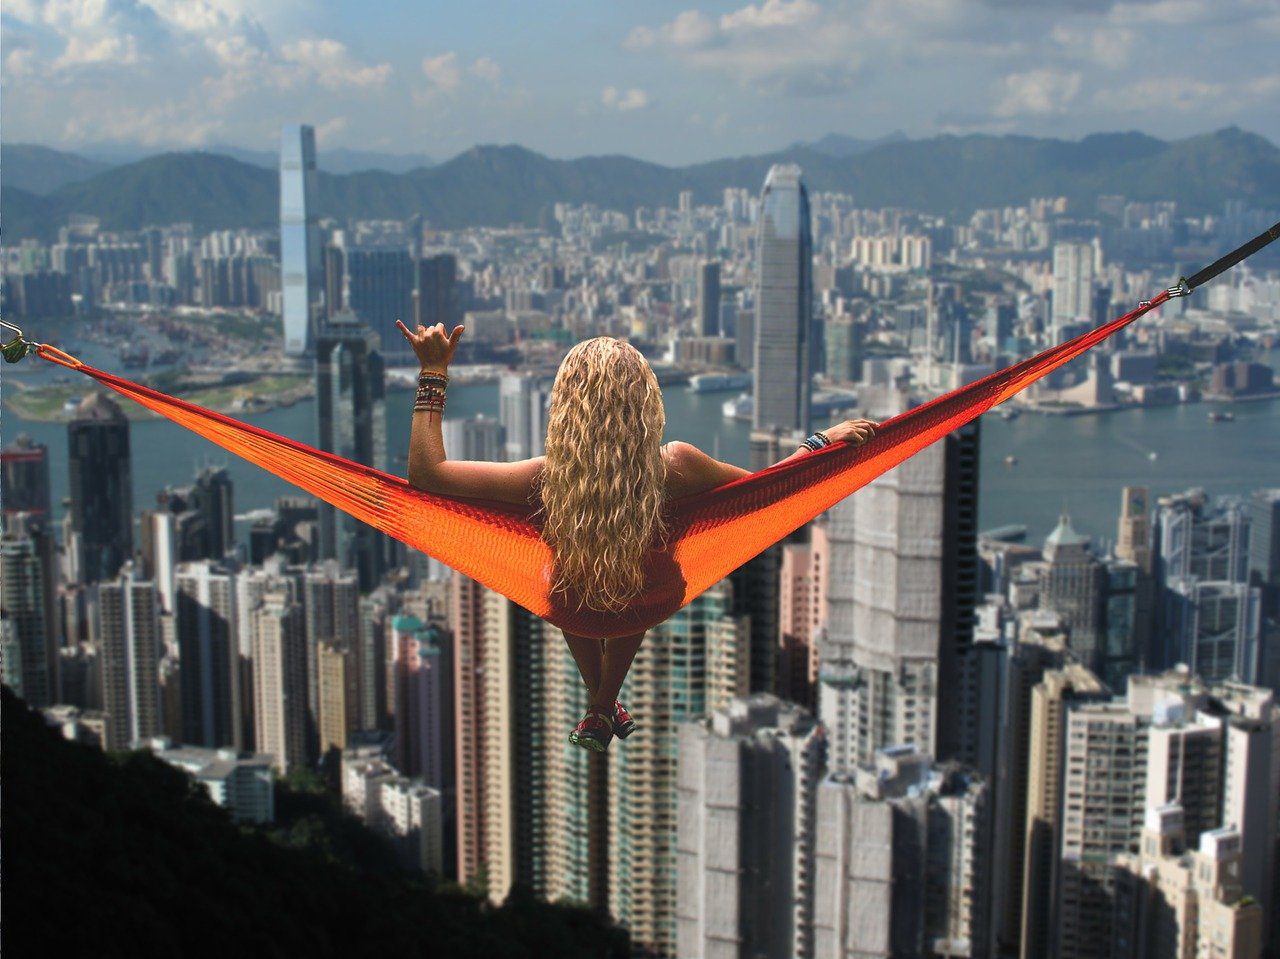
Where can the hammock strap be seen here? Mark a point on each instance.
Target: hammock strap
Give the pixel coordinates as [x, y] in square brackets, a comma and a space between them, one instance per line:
[1235, 256]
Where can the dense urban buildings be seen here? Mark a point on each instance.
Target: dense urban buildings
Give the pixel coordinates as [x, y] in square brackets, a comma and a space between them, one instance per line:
[896, 732]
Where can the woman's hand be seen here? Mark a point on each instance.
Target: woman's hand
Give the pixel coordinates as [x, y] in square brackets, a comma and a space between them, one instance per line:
[856, 432]
[432, 347]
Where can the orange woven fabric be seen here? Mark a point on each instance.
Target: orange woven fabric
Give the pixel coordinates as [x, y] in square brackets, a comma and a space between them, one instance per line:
[712, 533]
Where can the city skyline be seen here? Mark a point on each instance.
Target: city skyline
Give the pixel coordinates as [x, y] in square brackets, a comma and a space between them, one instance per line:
[673, 83]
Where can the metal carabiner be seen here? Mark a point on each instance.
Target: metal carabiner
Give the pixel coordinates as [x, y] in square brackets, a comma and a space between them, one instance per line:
[18, 348]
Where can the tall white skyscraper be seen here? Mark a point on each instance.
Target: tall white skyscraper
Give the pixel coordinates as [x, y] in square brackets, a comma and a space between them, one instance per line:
[784, 304]
[901, 590]
[205, 620]
[129, 620]
[522, 411]
[1072, 283]
[902, 861]
[301, 268]
[747, 779]
[280, 681]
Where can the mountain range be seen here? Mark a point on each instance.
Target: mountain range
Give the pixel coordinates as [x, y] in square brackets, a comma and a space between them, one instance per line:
[504, 185]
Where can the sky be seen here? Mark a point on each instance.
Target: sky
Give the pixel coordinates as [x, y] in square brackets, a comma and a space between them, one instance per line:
[670, 82]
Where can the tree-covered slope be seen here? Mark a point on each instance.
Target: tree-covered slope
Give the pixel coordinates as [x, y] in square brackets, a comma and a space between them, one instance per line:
[122, 854]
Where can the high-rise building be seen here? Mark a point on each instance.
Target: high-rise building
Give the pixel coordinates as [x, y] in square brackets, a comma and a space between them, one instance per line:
[339, 692]
[522, 411]
[747, 780]
[573, 861]
[331, 607]
[129, 631]
[24, 478]
[205, 622]
[1195, 537]
[477, 438]
[709, 299]
[1073, 585]
[351, 422]
[803, 588]
[27, 587]
[690, 665]
[1176, 900]
[188, 523]
[422, 701]
[1215, 628]
[280, 681]
[1046, 749]
[1072, 283]
[101, 516]
[902, 860]
[901, 592]
[435, 291]
[1133, 544]
[380, 284]
[301, 268]
[844, 336]
[784, 304]
[1264, 548]
[1103, 786]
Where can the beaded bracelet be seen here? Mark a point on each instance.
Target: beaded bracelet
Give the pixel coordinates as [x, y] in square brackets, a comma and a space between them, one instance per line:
[431, 392]
[815, 442]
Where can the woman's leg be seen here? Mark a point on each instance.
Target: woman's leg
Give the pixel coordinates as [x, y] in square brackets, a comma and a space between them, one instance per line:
[589, 656]
[618, 656]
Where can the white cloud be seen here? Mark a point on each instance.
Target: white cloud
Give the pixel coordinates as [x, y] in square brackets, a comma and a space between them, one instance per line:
[624, 101]
[121, 51]
[771, 13]
[331, 65]
[443, 71]
[1037, 93]
[487, 69]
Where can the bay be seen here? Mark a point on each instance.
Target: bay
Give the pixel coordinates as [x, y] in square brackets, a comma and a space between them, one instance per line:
[1075, 463]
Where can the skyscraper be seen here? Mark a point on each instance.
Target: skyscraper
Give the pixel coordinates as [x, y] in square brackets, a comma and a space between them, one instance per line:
[901, 591]
[101, 487]
[301, 267]
[1072, 284]
[280, 681]
[747, 781]
[129, 614]
[205, 621]
[24, 477]
[351, 422]
[690, 665]
[331, 608]
[709, 299]
[435, 291]
[26, 588]
[902, 860]
[522, 411]
[784, 303]
[380, 284]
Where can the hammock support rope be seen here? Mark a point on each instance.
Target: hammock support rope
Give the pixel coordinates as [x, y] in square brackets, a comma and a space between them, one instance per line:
[711, 534]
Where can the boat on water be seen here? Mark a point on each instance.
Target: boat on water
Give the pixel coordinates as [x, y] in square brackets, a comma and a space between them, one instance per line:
[1009, 412]
[738, 408]
[1011, 460]
[719, 382]
[1221, 416]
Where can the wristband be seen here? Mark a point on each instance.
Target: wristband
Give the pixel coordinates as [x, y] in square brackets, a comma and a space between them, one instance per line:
[815, 442]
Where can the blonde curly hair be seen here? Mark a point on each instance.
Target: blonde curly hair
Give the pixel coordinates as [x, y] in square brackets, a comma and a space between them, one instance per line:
[603, 482]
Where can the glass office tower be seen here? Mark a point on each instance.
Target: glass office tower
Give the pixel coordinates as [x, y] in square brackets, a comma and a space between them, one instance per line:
[301, 269]
[784, 303]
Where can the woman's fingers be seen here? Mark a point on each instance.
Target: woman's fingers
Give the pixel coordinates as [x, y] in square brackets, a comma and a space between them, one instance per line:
[405, 330]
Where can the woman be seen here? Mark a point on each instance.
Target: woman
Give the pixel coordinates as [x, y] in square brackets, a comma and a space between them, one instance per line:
[599, 489]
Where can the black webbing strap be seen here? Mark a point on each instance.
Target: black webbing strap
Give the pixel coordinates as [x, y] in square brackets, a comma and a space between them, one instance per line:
[1234, 257]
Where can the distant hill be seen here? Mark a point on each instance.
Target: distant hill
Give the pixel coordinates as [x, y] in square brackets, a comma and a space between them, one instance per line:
[839, 145]
[123, 855]
[502, 185]
[41, 170]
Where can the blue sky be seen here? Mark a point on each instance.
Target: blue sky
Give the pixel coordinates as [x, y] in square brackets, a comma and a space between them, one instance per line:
[673, 82]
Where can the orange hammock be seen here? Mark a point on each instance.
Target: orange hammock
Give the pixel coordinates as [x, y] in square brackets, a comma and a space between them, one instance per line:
[711, 534]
